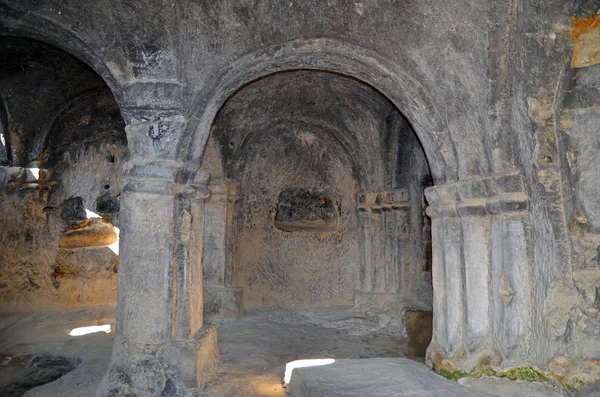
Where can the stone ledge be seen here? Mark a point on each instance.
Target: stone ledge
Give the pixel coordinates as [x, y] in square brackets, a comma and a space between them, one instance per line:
[386, 300]
[147, 175]
[382, 300]
[476, 188]
[21, 177]
[152, 170]
[95, 232]
[194, 361]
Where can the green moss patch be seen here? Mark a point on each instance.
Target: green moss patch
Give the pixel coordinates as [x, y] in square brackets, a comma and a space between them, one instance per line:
[529, 374]
[573, 384]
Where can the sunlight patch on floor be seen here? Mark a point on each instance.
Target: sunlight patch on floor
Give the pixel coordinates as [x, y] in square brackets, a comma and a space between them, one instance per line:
[289, 367]
[90, 330]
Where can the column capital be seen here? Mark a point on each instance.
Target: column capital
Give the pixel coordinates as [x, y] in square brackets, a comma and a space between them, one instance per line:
[478, 197]
[377, 202]
[154, 132]
[197, 182]
[150, 175]
[224, 191]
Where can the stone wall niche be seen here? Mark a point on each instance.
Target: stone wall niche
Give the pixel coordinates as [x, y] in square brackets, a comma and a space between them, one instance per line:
[303, 145]
[221, 299]
[310, 210]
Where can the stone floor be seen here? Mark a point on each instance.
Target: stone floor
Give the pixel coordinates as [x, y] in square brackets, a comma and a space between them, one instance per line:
[254, 350]
[46, 333]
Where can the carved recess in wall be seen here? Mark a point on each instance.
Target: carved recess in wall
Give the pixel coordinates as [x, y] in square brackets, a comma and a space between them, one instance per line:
[303, 209]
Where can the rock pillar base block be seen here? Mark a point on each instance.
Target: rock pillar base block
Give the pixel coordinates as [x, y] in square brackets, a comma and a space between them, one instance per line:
[174, 368]
[222, 302]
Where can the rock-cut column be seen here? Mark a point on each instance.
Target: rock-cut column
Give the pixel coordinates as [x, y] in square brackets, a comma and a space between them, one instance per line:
[160, 347]
[481, 273]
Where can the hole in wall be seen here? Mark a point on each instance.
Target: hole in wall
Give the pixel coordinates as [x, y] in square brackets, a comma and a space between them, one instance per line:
[304, 209]
[2, 141]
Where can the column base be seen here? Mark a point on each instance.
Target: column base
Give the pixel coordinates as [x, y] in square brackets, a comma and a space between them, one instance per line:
[222, 302]
[173, 368]
[461, 360]
[387, 302]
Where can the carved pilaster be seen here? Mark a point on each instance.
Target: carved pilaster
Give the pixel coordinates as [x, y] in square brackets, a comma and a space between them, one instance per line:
[384, 222]
[188, 292]
[221, 298]
[479, 232]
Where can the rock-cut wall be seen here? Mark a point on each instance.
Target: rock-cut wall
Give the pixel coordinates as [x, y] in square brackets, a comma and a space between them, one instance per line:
[63, 154]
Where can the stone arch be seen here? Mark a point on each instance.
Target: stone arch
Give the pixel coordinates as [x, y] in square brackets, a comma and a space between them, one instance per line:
[23, 24]
[407, 94]
[42, 84]
[348, 118]
[42, 140]
[6, 153]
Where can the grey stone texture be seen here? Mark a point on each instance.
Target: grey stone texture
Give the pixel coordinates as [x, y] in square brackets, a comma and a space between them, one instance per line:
[305, 209]
[590, 390]
[483, 91]
[374, 377]
[107, 204]
[507, 388]
[222, 302]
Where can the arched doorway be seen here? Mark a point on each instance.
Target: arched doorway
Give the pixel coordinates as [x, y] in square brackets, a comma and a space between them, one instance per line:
[63, 150]
[316, 226]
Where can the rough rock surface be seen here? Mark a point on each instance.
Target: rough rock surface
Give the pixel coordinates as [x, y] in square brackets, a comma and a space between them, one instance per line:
[46, 334]
[507, 126]
[590, 390]
[95, 232]
[73, 211]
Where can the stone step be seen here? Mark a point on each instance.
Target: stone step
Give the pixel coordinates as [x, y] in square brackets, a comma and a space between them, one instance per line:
[376, 377]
